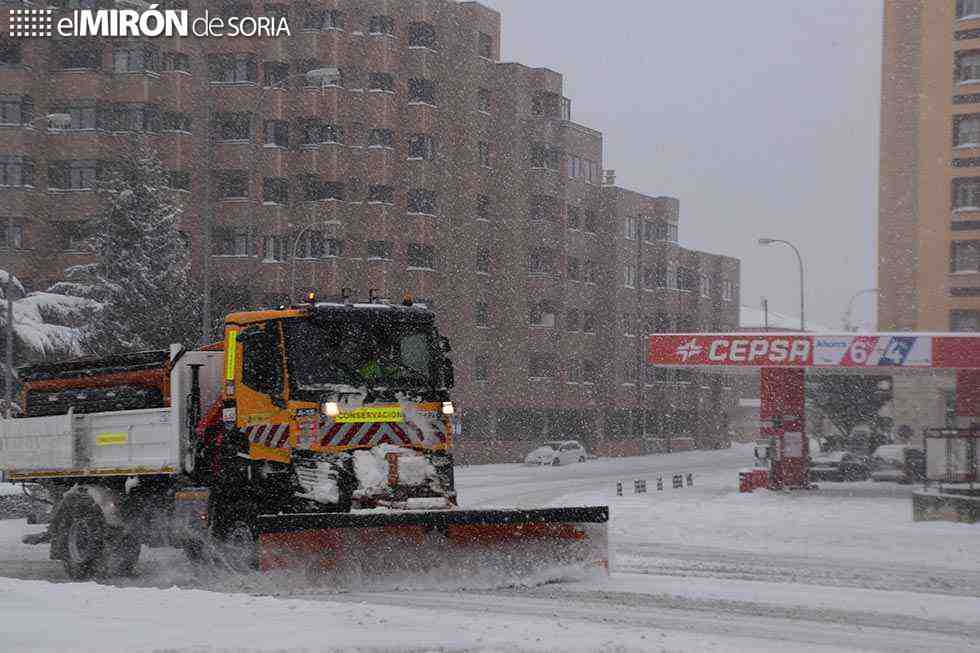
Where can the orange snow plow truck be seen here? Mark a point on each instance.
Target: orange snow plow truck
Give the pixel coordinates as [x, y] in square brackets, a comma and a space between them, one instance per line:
[317, 436]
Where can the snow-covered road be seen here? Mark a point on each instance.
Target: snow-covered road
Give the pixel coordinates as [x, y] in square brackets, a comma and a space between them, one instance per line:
[697, 568]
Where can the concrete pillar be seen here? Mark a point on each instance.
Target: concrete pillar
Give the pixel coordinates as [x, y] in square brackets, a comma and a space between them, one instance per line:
[782, 419]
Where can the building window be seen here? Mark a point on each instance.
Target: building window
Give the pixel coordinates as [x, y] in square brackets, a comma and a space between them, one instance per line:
[80, 57]
[705, 285]
[381, 82]
[314, 246]
[968, 67]
[421, 35]
[966, 131]
[85, 115]
[572, 320]
[421, 256]
[10, 55]
[484, 100]
[421, 201]
[573, 217]
[11, 235]
[381, 194]
[573, 270]
[233, 126]
[543, 207]
[277, 133]
[176, 62]
[591, 222]
[176, 122]
[483, 208]
[73, 175]
[481, 368]
[540, 261]
[233, 184]
[588, 372]
[136, 60]
[960, 320]
[964, 256]
[648, 277]
[316, 133]
[16, 170]
[967, 8]
[539, 366]
[727, 290]
[381, 138]
[484, 150]
[322, 19]
[481, 314]
[654, 230]
[672, 280]
[381, 25]
[588, 321]
[588, 271]
[483, 260]
[686, 279]
[379, 249]
[16, 109]
[544, 155]
[275, 73]
[178, 179]
[632, 228]
[420, 147]
[276, 248]
[629, 275]
[542, 315]
[486, 46]
[422, 90]
[135, 117]
[230, 242]
[275, 190]
[232, 69]
[966, 193]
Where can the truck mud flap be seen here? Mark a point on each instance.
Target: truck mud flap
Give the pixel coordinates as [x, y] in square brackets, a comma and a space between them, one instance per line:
[493, 545]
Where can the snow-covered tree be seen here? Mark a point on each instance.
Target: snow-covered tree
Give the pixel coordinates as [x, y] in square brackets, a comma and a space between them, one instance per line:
[140, 273]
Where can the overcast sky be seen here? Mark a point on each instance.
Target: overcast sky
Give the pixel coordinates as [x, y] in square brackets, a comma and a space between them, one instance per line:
[760, 116]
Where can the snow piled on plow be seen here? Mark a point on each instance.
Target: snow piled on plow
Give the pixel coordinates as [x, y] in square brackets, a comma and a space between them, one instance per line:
[371, 468]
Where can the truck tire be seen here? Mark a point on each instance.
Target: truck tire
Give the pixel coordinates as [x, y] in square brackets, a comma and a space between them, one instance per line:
[89, 546]
[237, 541]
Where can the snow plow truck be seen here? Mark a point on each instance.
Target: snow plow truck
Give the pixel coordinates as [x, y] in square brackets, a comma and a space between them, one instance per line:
[316, 436]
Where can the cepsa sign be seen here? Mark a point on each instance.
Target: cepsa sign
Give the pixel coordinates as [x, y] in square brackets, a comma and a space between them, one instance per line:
[750, 350]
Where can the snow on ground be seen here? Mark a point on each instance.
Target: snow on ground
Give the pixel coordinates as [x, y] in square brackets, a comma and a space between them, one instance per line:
[697, 568]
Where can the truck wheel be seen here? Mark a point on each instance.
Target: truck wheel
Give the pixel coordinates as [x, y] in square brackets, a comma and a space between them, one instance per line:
[85, 533]
[237, 540]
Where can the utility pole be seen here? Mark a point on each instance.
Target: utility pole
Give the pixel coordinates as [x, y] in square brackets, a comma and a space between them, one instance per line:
[208, 223]
[9, 331]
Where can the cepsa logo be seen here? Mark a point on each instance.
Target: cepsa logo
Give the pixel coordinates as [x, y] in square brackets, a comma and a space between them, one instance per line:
[744, 351]
[148, 22]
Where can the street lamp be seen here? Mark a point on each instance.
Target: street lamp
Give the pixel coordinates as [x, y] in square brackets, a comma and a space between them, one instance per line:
[850, 307]
[292, 253]
[770, 241]
[324, 76]
[55, 121]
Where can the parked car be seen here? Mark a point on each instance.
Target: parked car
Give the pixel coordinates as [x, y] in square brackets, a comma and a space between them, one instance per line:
[897, 462]
[558, 452]
[839, 466]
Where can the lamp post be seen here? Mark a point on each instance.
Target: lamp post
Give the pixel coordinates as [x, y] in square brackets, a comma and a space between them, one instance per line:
[321, 75]
[292, 253]
[848, 326]
[770, 241]
[58, 121]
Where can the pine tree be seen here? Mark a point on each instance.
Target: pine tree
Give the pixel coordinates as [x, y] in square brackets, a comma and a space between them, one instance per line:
[140, 272]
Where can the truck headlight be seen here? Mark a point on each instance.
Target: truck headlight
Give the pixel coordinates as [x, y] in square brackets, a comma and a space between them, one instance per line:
[447, 408]
[331, 409]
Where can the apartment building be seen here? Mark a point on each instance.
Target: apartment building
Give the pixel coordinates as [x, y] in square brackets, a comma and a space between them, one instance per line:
[411, 160]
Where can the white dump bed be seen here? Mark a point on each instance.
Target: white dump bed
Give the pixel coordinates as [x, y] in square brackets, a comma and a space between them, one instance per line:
[130, 442]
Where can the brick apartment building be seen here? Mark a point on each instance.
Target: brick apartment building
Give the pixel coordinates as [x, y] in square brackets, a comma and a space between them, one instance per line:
[425, 165]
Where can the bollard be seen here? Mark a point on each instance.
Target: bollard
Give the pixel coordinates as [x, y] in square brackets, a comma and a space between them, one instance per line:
[690, 480]
[678, 481]
[619, 489]
[639, 487]
[745, 481]
[660, 483]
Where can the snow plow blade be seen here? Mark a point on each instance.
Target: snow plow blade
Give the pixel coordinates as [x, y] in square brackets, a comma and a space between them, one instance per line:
[505, 545]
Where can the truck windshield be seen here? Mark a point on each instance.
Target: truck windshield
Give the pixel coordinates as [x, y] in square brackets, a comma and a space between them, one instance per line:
[383, 353]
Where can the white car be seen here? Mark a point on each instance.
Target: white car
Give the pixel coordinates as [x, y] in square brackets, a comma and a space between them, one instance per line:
[558, 452]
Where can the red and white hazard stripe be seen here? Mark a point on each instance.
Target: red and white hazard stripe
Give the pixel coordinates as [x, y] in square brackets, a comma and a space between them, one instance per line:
[369, 434]
[268, 435]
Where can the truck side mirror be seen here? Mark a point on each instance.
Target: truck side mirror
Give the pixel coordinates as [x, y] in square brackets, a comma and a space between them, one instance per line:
[448, 374]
